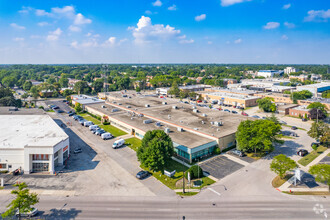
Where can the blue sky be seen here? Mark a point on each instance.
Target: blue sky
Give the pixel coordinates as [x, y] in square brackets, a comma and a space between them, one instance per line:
[165, 31]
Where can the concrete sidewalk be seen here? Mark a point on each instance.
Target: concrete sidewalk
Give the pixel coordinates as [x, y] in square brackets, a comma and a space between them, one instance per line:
[316, 160]
[235, 159]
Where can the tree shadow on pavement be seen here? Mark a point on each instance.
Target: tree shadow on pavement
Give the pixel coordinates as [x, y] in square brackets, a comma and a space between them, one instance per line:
[61, 214]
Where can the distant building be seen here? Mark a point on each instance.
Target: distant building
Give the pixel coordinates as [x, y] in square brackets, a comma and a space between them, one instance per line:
[72, 82]
[323, 101]
[285, 109]
[190, 88]
[225, 98]
[315, 88]
[35, 82]
[85, 100]
[46, 93]
[300, 111]
[289, 70]
[301, 77]
[269, 73]
[278, 97]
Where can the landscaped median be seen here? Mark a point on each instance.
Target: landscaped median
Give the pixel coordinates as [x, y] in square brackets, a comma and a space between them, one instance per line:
[312, 156]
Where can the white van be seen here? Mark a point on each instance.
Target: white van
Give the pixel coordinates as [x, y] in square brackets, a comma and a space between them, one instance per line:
[93, 127]
[118, 143]
[106, 136]
[88, 123]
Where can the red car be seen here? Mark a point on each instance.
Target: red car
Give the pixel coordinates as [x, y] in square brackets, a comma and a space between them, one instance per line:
[199, 101]
[245, 114]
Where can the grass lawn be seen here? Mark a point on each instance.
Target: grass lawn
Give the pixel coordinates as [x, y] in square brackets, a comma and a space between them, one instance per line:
[206, 182]
[311, 156]
[168, 181]
[256, 156]
[277, 181]
[328, 155]
[308, 193]
[187, 193]
[289, 126]
[133, 143]
[90, 118]
[113, 130]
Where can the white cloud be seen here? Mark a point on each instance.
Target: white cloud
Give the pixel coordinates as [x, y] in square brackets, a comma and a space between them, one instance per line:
[157, 3]
[25, 10]
[88, 34]
[80, 19]
[186, 41]
[146, 31]
[16, 26]
[284, 37]
[318, 16]
[172, 8]
[200, 17]
[209, 42]
[74, 44]
[225, 3]
[289, 25]
[111, 41]
[74, 28]
[287, 6]
[40, 12]
[54, 35]
[17, 39]
[42, 24]
[148, 12]
[271, 25]
[238, 41]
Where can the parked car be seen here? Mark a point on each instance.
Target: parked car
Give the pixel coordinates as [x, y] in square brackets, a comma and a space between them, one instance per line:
[142, 174]
[82, 121]
[302, 152]
[33, 212]
[71, 114]
[245, 114]
[77, 117]
[238, 153]
[294, 128]
[283, 122]
[199, 101]
[93, 127]
[226, 110]
[118, 143]
[304, 119]
[234, 112]
[106, 136]
[77, 150]
[56, 107]
[100, 132]
[88, 123]
[264, 118]
[255, 116]
[60, 111]
[293, 134]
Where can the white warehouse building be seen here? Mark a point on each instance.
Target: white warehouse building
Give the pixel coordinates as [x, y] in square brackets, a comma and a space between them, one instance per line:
[32, 143]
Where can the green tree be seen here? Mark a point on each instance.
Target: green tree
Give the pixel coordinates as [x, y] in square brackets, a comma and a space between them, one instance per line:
[67, 92]
[78, 107]
[34, 92]
[274, 119]
[9, 81]
[156, 150]
[318, 130]
[81, 87]
[326, 94]
[98, 85]
[27, 85]
[266, 104]
[301, 95]
[258, 135]
[318, 105]
[321, 173]
[138, 89]
[64, 82]
[281, 164]
[23, 201]
[174, 90]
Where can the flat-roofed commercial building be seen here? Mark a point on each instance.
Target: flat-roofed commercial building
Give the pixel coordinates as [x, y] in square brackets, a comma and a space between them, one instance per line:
[32, 143]
[195, 131]
[85, 100]
[315, 88]
[232, 99]
[190, 88]
[323, 101]
[278, 97]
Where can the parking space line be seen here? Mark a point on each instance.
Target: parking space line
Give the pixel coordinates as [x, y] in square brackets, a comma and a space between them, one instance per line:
[219, 194]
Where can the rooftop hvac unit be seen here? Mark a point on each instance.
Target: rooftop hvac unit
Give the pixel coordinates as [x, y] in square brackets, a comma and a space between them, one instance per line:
[158, 124]
[194, 107]
[147, 105]
[212, 122]
[140, 115]
[148, 121]
[164, 103]
[204, 115]
[167, 130]
[180, 129]
[195, 110]
[119, 103]
[196, 129]
[174, 107]
[128, 106]
[203, 122]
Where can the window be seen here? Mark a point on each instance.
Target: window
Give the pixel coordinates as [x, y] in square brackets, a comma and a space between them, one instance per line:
[40, 167]
[3, 166]
[40, 157]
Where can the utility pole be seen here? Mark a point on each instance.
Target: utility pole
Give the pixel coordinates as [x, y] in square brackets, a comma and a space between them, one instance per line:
[183, 191]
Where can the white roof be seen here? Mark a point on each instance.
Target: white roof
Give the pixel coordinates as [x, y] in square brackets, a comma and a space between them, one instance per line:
[18, 131]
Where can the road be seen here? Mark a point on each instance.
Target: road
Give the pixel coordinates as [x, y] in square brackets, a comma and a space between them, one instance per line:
[167, 208]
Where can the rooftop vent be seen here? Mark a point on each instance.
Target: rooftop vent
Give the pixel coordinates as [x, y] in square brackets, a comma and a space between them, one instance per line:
[174, 107]
[167, 130]
[164, 103]
[195, 110]
[180, 129]
[147, 105]
[204, 115]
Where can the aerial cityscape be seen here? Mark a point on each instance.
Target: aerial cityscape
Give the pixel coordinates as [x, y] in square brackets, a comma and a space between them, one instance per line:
[160, 109]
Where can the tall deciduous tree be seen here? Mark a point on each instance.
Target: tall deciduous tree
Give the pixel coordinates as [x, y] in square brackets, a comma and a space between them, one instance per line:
[281, 164]
[319, 130]
[156, 150]
[81, 87]
[259, 135]
[78, 107]
[27, 85]
[174, 90]
[266, 105]
[321, 173]
[23, 201]
[318, 105]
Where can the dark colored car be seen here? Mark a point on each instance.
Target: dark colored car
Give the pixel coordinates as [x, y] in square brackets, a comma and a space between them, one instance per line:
[56, 107]
[142, 174]
[71, 114]
[255, 116]
[60, 111]
[226, 110]
[304, 119]
[77, 150]
[234, 112]
[314, 143]
[294, 128]
[302, 152]
[82, 121]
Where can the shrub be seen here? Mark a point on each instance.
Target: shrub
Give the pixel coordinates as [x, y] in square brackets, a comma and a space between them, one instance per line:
[217, 150]
[314, 146]
[194, 171]
[106, 123]
[41, 107]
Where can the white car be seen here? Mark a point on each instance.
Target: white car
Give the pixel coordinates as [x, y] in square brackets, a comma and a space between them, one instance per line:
[33, 212]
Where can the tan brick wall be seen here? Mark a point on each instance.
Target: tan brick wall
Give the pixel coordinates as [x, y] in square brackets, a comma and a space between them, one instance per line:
[296, 113]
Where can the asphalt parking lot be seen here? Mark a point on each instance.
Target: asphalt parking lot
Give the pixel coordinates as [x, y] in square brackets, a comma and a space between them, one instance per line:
[245, 158]
[220, 166]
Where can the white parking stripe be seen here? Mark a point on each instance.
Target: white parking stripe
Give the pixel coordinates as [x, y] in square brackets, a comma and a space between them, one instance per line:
[215, 191]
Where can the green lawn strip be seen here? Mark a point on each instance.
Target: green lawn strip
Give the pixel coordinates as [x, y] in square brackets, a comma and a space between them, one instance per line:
[328, 155]
[187, 193]
[310, 157]
[277, 181]
[325, 193]
[289, 126]
[256, 156]
[168, 181]
[113, 130]
[280, 136]
[133, 143]
[90, 118]
[205, 182]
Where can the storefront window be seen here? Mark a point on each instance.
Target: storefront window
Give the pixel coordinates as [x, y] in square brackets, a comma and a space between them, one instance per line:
[40, 167]
[3, 166]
